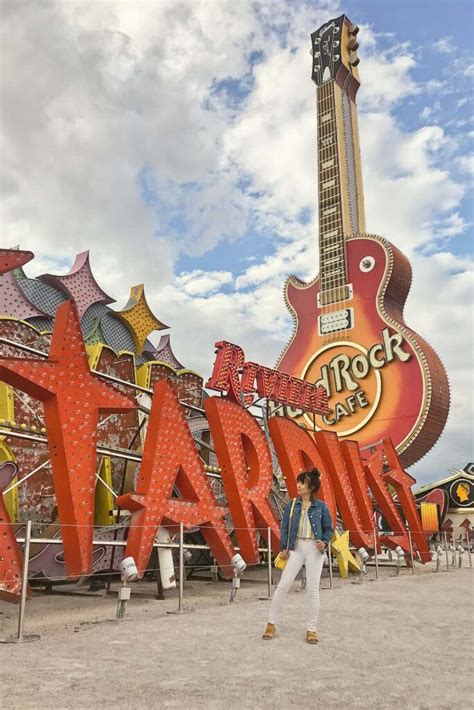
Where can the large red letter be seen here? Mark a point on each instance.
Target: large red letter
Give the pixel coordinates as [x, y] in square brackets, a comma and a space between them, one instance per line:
[297, 452]
[373, 471]
[225, 373]
[239, 442]
[170, 458]
[361, 531]
[402, 482]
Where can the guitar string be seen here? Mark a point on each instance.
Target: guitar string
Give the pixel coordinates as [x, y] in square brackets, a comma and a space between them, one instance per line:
[339, 280]
[327, 152]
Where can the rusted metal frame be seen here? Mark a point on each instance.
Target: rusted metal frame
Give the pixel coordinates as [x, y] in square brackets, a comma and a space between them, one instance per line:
[117, 453]
[103, 375]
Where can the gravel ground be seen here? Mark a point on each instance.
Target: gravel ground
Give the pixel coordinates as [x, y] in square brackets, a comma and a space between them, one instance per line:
[399, 642]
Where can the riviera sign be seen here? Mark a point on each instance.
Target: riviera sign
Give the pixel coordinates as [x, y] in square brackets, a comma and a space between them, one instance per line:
[242, 380]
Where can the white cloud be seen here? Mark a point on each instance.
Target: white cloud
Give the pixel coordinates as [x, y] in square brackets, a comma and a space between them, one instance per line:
[108, 102]
[466, 164]
[445, 45]
[200, 283]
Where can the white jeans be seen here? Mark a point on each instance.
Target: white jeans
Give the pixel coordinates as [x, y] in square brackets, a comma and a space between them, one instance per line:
[306, 553]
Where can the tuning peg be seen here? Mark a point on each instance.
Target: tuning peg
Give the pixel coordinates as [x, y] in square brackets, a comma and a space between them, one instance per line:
[353, 29]
[353, 59]
[353, 44]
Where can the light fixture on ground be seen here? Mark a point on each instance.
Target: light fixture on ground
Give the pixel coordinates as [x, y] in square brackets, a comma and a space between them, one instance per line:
[452, 547]
[400, 553]
[239, 566]
[128, 573]
[364, 558]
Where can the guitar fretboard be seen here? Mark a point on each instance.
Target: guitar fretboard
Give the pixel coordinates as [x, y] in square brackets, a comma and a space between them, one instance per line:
[332, 257]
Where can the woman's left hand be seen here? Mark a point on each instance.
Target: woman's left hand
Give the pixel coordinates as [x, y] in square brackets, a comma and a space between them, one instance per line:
[320, 545]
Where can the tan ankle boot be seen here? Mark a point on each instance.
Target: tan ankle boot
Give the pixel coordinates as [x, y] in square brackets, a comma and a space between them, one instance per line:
[269, 632]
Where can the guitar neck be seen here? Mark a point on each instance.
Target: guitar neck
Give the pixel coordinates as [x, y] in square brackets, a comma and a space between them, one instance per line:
[341, 201]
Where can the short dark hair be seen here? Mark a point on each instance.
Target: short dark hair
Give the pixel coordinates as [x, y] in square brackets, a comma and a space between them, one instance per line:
[312, 478]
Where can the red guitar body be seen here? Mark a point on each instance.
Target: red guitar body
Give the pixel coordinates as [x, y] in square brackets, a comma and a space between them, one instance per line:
[383, 379]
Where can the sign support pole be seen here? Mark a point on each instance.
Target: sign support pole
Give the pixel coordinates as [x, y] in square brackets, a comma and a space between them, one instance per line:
[20, 638]
[269, 567]
[376, 557]
[468, 541]
[411, 553]
[446, 551]
[181, 572]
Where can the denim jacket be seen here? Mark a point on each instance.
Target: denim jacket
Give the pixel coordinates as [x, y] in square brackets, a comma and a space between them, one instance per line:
[319, 517]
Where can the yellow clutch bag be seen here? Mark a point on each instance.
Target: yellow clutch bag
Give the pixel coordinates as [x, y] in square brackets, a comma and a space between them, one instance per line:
[280, 563]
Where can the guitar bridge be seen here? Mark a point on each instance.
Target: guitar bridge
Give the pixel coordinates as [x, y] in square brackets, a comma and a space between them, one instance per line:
[335, 321]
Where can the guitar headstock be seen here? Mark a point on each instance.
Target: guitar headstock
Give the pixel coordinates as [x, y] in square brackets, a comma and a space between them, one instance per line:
[334, 45]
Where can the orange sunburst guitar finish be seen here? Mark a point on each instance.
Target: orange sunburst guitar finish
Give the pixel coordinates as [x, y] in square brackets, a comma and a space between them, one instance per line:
[349, 334]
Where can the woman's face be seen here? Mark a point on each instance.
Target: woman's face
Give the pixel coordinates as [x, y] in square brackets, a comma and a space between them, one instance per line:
[302, 488]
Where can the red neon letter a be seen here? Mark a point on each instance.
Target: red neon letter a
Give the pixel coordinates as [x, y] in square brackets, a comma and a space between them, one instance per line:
[170, 458]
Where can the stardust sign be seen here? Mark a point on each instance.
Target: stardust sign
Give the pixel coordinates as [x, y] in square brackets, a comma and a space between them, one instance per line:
[73, 398]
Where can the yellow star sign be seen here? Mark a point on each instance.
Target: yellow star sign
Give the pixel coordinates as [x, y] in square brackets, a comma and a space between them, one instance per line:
[139, 317]
[345, 558]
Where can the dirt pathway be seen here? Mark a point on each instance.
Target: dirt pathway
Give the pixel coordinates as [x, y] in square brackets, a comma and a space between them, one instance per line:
[399, 642]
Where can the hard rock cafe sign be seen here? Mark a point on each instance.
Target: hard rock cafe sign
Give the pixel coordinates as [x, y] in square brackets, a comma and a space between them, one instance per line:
[349, 334]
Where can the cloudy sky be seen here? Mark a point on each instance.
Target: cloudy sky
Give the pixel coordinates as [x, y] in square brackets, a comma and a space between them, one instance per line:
[176, 141]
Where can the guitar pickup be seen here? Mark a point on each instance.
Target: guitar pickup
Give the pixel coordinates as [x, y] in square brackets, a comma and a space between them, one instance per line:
[333, 295]
[336, 321]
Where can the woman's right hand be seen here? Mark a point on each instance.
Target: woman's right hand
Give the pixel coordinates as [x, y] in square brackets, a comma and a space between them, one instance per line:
[284, 554]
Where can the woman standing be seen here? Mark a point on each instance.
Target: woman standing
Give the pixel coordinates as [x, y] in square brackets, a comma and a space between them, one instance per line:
[306, 531]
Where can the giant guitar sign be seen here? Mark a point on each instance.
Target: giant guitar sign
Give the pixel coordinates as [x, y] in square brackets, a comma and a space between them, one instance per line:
[349, 333]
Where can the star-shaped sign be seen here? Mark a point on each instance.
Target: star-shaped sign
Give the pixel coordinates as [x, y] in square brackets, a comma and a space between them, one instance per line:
[79, 284]
[345, 558]
[13, 258]
[73, 398]
[139, 317]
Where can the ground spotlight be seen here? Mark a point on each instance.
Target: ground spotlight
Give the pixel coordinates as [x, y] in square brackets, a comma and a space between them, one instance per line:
[364, 558]
[400, 553]
[238, 563]
[128, 573]
[239, 566]
[128, 570]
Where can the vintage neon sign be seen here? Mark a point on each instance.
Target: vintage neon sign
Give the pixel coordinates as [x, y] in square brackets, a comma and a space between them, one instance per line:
[73, 396]
[241, 380]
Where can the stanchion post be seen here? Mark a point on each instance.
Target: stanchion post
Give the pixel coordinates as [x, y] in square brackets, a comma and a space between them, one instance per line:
[269, 570]
[181, 572]
[269, 561]
[446, 551]
[376, 557]
[20, 638]
[181, 567]
[468, 542]
[330, 564]
[411, 553]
